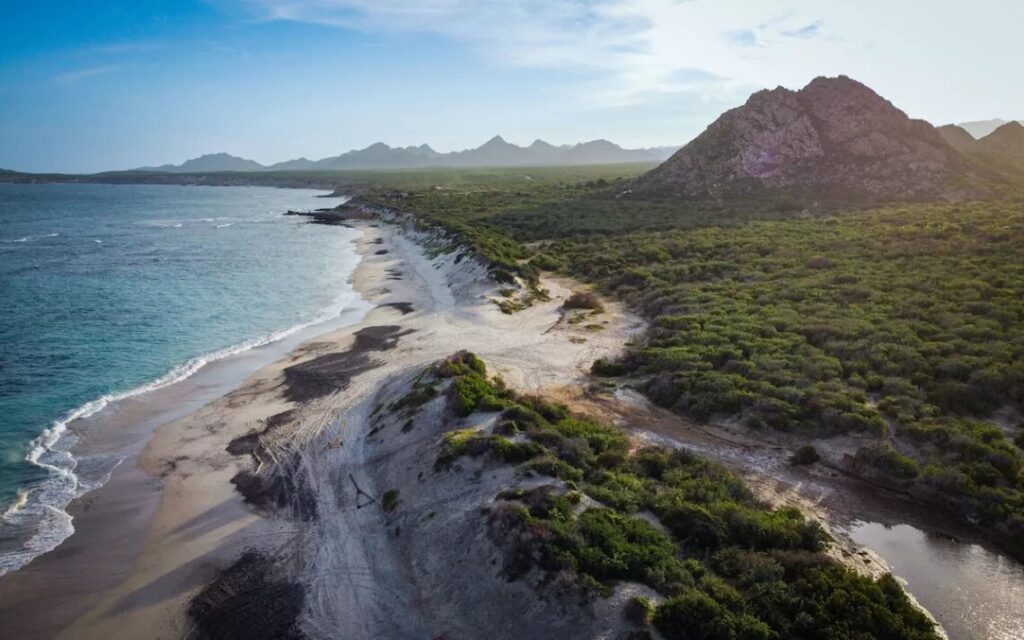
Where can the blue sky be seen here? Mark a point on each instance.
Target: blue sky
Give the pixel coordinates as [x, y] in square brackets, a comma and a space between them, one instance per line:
[95, 85]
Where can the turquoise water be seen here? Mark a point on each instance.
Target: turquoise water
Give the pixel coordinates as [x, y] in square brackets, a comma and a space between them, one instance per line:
[112, 290]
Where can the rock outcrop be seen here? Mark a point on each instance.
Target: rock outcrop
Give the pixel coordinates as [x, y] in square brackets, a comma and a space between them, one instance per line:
[835, 138]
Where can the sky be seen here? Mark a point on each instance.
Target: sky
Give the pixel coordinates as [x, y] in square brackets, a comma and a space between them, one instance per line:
[91, 85]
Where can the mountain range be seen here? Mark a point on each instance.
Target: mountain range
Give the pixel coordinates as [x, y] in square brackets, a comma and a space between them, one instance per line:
[835, 138]
[496, 152]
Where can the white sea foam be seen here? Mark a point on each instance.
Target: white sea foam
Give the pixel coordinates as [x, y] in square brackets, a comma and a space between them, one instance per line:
[32, 238]
[19, 503]
[226, 224]
[44, 506]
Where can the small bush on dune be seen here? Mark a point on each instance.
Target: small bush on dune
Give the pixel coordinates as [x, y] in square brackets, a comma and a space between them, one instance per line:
[583, 300]
[461, 363]
[639, 611]
[389, 501]
[805, 455]
[608, 368]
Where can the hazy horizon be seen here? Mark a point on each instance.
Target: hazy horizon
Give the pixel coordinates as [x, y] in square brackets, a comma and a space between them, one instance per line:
[89, 88]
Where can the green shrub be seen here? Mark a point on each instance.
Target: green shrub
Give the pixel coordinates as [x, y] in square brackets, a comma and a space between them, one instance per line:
[697, 616]
[389, 501]
[608, 368]
[638, 611]
[883, 458]
[555, 468]
[460, 364]
[805, 455]
[466, 392]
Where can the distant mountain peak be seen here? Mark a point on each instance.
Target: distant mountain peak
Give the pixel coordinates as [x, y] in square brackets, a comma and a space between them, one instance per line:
[496, 141]
[495, 152]
[210, 163]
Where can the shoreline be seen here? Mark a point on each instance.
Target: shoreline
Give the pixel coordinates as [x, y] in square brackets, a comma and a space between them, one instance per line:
[130, 494]
[222, 369]
[73, 452]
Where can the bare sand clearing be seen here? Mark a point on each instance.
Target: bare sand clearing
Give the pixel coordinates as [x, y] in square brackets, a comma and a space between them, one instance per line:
[309, 417]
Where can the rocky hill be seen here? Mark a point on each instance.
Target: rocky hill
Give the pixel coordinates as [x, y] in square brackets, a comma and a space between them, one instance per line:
[835, 138]
[958, 138]
[1007, 139]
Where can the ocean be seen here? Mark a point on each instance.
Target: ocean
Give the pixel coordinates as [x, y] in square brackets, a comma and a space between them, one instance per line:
[112, 292]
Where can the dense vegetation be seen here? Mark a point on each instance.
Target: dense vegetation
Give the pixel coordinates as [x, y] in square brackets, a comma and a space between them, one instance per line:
[905, 323]
[728, 566]
[902, 323]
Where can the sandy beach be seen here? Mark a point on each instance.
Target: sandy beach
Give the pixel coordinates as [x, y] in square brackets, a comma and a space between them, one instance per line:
[171, 519]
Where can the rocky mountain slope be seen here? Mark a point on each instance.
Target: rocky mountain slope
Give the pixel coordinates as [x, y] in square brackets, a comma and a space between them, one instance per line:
[835, 138]
[958, 138]
[496, 152]
[1007, 139]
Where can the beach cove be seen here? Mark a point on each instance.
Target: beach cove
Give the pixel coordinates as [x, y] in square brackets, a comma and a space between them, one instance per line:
[168, 520]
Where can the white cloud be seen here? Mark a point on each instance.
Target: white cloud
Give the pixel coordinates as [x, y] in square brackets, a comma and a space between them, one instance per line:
[636, 48]
[77, 75]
